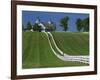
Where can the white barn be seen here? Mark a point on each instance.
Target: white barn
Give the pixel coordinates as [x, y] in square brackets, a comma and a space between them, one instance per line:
[40, 24]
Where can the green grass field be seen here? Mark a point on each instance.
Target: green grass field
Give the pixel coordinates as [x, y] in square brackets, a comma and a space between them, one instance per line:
[72, 43]
[38, 54]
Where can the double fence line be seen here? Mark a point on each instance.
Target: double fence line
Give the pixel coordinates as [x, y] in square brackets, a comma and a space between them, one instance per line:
[64, 56]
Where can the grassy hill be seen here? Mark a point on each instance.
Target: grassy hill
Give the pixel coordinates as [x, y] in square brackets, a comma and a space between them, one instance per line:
[72, 43]
[38, 54]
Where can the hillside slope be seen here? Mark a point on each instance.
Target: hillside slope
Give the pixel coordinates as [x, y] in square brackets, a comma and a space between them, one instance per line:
[72, 43]
[38, 54]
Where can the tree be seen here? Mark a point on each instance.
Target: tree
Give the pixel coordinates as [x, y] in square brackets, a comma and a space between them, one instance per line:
[79, 24]
[64, 23]
[36, 27]
[23, 28]
[54, 25]
[85, 24]
[28, 26]
[50, 27]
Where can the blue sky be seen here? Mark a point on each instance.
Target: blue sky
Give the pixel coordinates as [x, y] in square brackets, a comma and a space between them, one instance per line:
[54, 17]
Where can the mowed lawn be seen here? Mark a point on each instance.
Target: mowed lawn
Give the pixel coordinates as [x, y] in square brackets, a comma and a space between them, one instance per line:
[38, 54]
[72, 43]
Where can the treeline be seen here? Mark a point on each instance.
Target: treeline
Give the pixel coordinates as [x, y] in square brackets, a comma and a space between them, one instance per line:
[37, 27]
[81, 25]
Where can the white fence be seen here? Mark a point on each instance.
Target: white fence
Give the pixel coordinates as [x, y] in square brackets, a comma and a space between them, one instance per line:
[65, 56]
